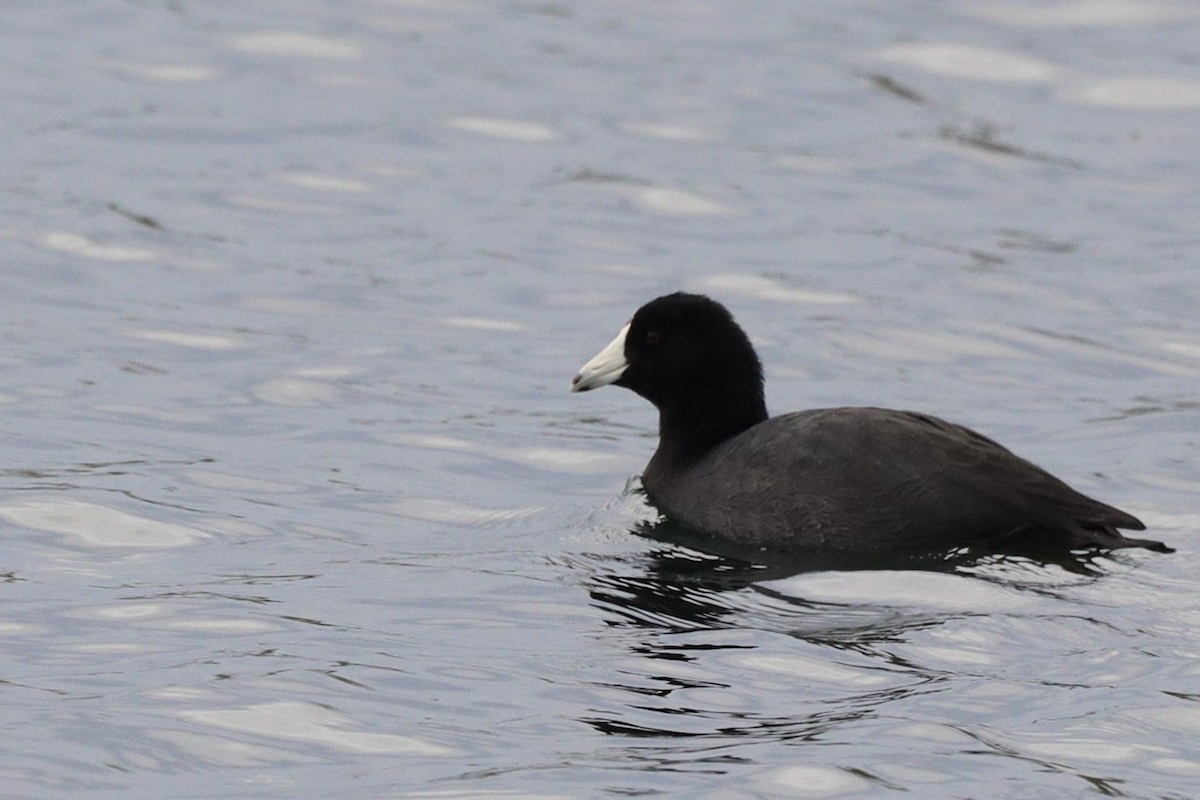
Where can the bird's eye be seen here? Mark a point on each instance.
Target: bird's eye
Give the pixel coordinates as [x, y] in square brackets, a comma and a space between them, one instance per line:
[652, 337]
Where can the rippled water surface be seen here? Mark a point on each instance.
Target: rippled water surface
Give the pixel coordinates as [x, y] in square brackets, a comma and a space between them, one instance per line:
[294, 499]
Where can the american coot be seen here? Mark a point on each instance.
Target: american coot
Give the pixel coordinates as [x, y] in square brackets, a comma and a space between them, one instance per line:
[835, 480]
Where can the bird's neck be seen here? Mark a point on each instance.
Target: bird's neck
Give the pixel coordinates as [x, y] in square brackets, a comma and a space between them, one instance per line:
[690, 427]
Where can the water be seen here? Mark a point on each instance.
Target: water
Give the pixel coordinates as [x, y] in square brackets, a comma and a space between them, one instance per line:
[295, 501]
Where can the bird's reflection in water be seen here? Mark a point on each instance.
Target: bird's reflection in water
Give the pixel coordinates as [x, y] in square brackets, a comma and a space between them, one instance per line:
[735, 566]
[698, 619]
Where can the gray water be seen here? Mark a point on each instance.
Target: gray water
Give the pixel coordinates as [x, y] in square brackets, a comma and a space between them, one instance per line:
[296, 503]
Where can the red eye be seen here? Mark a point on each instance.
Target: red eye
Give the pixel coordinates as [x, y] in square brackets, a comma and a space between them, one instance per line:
[652, 337]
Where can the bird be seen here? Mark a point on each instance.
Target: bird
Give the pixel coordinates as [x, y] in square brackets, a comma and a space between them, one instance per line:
[854, 480]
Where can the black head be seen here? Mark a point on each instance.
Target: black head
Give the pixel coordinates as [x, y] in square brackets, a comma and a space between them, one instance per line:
[686, 355]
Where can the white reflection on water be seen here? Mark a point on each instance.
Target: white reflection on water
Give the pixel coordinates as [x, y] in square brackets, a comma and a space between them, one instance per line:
[161, 71]
[258, 202]
[309, 722]
[517, 130]
[764, 288]
[75, 244]
[97, 525]
[1140, 93]
[1130, 92]
[325, 183]
[296, 392]
[197, 341]
[581, 460]
[673, 132]
[303, 45]
[1092, 13]
[807, 670]
[813, 781]
[969, 62]
[675, 202]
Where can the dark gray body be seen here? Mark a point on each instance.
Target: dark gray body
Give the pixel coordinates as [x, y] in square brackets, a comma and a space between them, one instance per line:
[875, 480]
